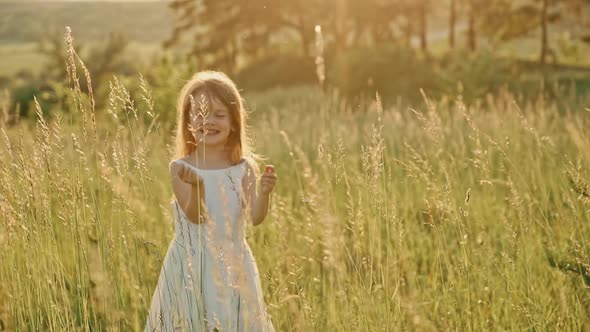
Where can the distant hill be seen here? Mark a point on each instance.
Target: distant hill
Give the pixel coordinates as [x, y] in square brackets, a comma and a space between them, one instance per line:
[138, 21]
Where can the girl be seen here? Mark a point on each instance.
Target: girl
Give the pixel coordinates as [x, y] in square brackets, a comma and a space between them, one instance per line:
[209, 280]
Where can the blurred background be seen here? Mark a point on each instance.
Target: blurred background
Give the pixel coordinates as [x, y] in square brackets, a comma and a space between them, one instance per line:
[395, 47]
[456, 200]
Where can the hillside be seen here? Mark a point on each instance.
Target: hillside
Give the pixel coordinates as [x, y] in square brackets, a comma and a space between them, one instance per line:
[139, 21]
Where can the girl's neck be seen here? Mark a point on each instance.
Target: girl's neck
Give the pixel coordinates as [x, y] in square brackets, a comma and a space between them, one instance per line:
[210, 156]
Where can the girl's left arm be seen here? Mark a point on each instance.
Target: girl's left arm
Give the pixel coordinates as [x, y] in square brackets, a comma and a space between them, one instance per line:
[258, 203]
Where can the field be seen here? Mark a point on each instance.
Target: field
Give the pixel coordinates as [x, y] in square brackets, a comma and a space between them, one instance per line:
[444, 218]
[26, 23]
[21, 57]
[463, 209]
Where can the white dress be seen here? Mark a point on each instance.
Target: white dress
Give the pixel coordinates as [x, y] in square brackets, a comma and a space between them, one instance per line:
[209, 279]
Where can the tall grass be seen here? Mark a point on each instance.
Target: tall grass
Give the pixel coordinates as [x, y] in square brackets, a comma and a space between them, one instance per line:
[442, 217]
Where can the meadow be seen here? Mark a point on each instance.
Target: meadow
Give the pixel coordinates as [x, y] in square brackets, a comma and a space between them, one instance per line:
[439, 216]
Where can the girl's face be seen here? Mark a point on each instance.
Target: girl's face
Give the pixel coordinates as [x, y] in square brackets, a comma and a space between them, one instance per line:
[212, 124]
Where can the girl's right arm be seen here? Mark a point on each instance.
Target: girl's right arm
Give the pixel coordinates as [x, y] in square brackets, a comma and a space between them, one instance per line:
[189, 189]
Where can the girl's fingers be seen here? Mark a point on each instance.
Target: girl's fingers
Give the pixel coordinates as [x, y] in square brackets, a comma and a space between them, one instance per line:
[268, 178]
[187, 175]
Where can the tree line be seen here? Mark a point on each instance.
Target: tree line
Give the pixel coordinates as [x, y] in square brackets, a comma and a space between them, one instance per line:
[220, 31]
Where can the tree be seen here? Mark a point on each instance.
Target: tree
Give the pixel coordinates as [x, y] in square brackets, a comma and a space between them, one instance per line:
[423, 25]
[452, 22]
[414, 19]
[471, 37]
[527, 16]
[220, 31]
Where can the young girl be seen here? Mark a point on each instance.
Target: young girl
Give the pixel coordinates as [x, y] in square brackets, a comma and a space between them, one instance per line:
[209, 280]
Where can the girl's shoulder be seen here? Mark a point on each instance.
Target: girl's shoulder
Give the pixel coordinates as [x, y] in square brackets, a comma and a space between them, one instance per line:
[249, 163]
[174, 162]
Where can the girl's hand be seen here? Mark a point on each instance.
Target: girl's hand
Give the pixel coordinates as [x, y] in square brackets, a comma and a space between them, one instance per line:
[189, 175]
[268, 180]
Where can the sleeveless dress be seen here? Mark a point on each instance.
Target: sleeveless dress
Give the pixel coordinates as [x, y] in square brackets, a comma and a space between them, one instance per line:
[209, 280]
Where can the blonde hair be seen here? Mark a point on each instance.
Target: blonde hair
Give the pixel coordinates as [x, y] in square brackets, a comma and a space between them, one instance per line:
[213, 84]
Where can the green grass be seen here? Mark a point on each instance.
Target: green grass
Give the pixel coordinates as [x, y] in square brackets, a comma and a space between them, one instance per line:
[451, 218]
[18, 57]
[26, 21]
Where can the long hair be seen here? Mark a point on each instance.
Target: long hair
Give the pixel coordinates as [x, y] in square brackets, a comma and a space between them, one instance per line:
[216, 85]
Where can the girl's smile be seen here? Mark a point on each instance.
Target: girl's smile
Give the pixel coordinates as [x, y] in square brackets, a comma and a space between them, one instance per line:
[213, 124]
[210, 131]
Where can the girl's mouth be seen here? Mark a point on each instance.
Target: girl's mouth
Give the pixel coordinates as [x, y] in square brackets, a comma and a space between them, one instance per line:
[209, 132]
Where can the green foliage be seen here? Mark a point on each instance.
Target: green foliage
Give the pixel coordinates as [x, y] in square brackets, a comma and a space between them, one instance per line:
[49, 82]
[476, 74]
[28, 21]
[166, 77]
[402, 73]
[276, 71]
[391, 71]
